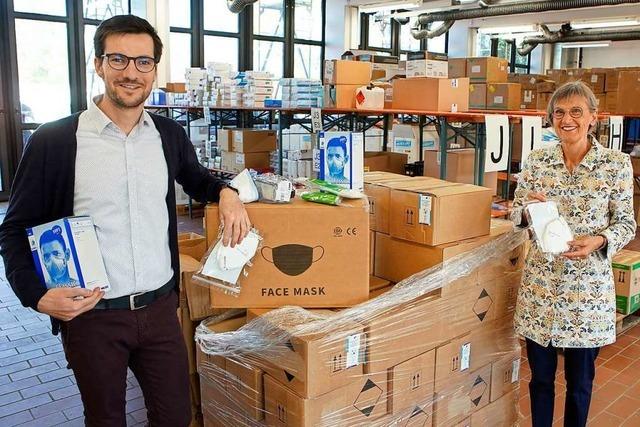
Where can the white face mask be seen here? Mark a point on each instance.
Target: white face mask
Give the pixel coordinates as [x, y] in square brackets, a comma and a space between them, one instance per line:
[556, 235]
[550, 229]
[247, 191]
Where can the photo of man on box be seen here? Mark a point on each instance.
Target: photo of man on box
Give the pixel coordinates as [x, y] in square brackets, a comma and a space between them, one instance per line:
[118, 165]
[55, 257]
[567, 302]
[337, 160]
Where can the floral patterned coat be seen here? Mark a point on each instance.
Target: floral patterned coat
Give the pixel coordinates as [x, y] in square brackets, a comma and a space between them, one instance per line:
[571, 303]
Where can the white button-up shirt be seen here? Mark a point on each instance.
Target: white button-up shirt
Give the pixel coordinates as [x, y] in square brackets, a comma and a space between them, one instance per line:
[121, 182]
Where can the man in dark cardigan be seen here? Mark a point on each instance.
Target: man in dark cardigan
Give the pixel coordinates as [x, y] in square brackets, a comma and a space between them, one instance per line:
[118, 164]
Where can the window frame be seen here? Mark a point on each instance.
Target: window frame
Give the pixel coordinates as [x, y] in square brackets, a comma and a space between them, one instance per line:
[513, 65]
[396, 44]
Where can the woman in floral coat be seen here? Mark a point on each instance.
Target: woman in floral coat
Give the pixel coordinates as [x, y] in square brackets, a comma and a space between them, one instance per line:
[569, 302]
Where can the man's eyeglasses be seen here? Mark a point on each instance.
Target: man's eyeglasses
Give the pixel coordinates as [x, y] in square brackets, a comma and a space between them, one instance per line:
[575, 112]
[119, 62]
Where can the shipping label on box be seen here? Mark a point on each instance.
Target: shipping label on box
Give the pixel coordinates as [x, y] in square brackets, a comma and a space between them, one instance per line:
[342, 159]
[308, 252]
[66, 253]
[626, 273]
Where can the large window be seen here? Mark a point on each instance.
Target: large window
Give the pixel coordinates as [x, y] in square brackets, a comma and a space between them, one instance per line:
[380, 33]
[284, 37]
[47, 48]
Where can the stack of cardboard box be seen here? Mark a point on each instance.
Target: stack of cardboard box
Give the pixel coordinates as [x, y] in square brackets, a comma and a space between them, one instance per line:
[444, 356]
[341, 79]
[490, 88]
[614, 87]
[528, 85]
[246, 148]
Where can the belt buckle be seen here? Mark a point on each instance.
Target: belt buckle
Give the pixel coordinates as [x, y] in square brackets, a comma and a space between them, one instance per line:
[132, 302]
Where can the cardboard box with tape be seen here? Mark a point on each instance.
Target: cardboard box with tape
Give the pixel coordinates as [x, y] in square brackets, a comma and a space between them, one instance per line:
[309, 251]
[431, 94]
[487, 70]
[433, 216]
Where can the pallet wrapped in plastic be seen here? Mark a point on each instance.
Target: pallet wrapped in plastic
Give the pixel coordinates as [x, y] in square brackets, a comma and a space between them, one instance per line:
[437, 349]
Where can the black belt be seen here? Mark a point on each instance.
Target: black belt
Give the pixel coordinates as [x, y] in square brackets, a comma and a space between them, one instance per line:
[135, 301]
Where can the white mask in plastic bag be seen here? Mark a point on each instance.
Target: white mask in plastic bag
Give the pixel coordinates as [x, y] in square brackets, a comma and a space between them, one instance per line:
[247, 191]
[556, 235]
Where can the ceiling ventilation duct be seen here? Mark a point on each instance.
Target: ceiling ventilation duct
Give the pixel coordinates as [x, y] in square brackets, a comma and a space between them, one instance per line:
[494, 8]
[236, 6]
[566, 35]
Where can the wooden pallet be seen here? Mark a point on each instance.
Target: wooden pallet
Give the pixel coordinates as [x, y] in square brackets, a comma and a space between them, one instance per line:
[624, 322]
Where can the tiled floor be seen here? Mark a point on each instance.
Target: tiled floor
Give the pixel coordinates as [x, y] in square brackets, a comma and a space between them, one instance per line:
[616, 397]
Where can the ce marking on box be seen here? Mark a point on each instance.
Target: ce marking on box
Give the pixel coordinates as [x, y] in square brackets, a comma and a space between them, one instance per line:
[341, 232]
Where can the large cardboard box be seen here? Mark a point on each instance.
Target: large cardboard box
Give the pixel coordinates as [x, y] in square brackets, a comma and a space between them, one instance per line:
[340, 72]
[596, 80]
[237, 162]
[440, 215]
[192, 244]
[501, 413]
[462, 397]
[379, 196]
[487, 69]
[527, 81]
[341, 96]
[309, 251]
[626, 273]
[546, 86]
[478, 96]
[543, 101]
[528, 99]
[431, 94]
[611, 102]
[396, 259]
[411, 384]
[427, 64]
[254, 141]
[601, 101]
[362, 401]
[503, 96]
[505, 375]
[385, 161]
[460, 167]
[457, 68]
[629, 92]
[313, 363]
[393, 337]
[559, 76]
[225, 140]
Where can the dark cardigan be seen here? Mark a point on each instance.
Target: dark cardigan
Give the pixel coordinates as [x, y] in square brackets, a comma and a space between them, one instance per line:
[43, 188]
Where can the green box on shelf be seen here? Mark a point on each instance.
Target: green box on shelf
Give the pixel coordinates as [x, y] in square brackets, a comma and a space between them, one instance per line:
[626, 274]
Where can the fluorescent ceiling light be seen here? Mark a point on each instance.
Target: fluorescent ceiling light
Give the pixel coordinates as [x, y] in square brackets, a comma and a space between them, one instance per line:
[508, 30]
[390, 6]
[585, 44]
[608, 24]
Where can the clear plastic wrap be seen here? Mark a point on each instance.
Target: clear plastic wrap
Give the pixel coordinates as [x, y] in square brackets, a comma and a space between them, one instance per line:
[436, 349]
[223, 267]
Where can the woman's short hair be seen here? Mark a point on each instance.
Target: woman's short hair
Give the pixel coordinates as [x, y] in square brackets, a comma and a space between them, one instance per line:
[568, 90]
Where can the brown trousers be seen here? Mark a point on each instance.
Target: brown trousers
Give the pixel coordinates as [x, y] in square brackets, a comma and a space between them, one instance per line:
[101, 344]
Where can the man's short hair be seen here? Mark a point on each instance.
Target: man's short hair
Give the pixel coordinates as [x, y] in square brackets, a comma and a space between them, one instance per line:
[49, 236]
[126, 24]
[340, 142]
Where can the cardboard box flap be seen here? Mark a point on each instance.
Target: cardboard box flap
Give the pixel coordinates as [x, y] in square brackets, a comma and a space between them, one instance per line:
[626, 260]
[451, 190]
[188, 264]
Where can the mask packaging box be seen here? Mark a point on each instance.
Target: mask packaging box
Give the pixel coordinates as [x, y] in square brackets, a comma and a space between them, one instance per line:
[342, 159]
[66, 254]
[309, 251]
